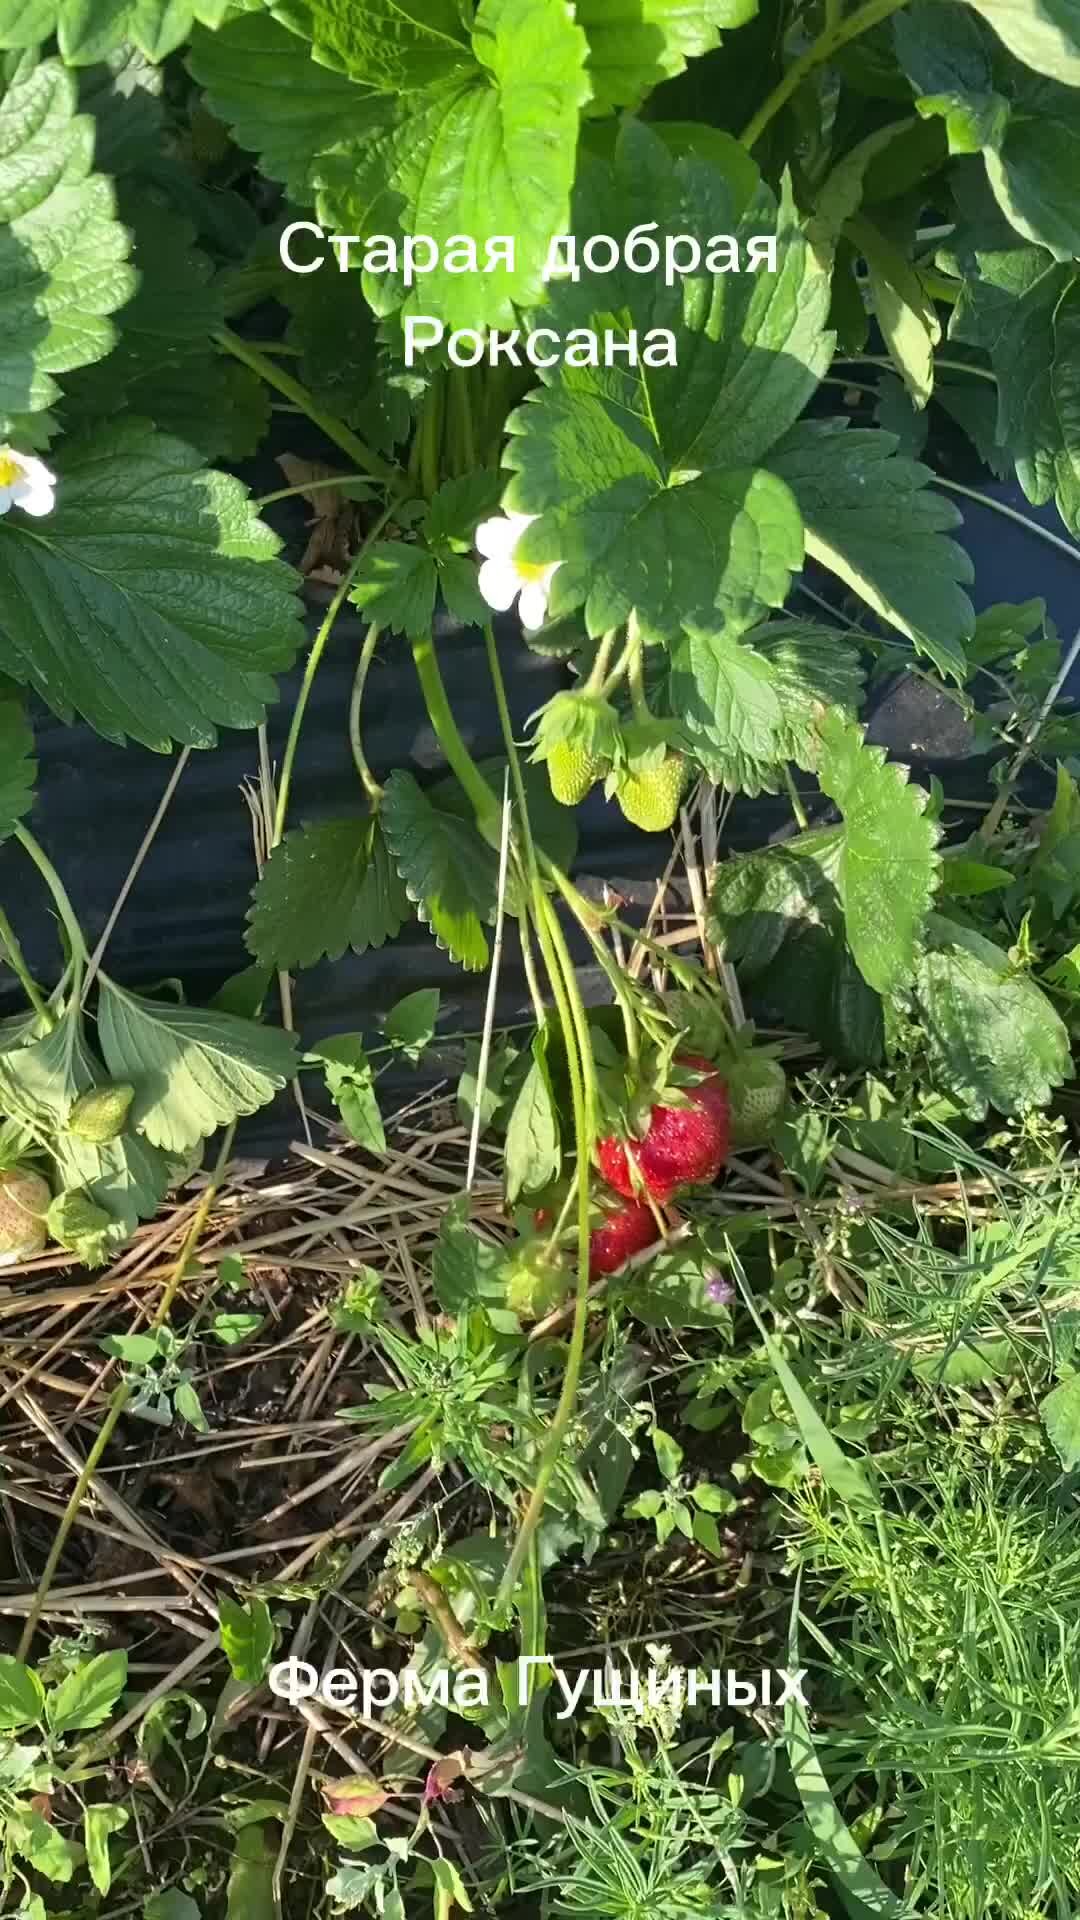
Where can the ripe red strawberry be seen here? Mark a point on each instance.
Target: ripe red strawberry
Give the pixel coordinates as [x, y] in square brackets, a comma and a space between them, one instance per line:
[626, 1230]
[684, 1146]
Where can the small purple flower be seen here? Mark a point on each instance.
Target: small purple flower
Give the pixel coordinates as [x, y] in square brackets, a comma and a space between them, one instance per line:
[720, 1291]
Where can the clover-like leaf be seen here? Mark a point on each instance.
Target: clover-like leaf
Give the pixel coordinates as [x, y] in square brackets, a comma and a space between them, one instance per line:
[328, 886]
[63, 253]
[194, 1069]
[150, 600]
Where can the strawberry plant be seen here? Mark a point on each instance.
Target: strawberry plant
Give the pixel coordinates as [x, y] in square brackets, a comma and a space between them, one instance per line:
[658, 348]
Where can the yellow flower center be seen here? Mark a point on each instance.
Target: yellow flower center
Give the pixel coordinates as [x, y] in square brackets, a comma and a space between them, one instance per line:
[11, 469]
[530, 569]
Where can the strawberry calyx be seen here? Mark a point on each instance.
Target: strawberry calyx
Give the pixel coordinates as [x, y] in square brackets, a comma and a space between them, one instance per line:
[577, 734]
[681, 1135]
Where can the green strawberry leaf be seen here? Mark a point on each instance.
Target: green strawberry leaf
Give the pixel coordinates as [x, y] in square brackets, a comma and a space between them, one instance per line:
[1044, 36]
[445, 867]
[992, 1035]
[18, 767]
[533, 1157]
[181, 632]
[889, 867]
[39, 1084]
[871, 518]
[777, 914]
[1023, 308]
[476, 138]
[279, 102]
[89, 30]
[391, 46]
[63, 253]
[749, 703]
[194, 1069]
[328, 886]
[636, 44]
[645, 479]
[395, 586]
[1026, 125]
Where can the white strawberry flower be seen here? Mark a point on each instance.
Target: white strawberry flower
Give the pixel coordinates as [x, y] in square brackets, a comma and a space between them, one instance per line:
[503, 577]
[25, 482]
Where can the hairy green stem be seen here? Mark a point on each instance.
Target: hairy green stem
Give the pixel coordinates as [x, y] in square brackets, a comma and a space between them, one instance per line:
[16, 961]
[309, 486]
[619, 670]
[64, 908]
[795, 797]
[635, 665]
[941, 361]
[121, 1398]
[575, 1028]
[334, 429]
[483, 798]
[584, 913]
[583, 1098]
[429, 436]
[368, 781]
[837, 34]
[311, 668]
[594, 685]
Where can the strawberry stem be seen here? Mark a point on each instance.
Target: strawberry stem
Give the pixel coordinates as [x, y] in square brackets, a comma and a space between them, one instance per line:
[356, 740]
[64, 908]
[594, 685]
[636, 670]
[583, 1093]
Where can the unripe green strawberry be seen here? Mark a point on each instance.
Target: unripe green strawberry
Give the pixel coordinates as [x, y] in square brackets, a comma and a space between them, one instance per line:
[535, 1281]
[101, 1114]
[650, 799]
[757, 1090]
[24, 1201]
[573, 771]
